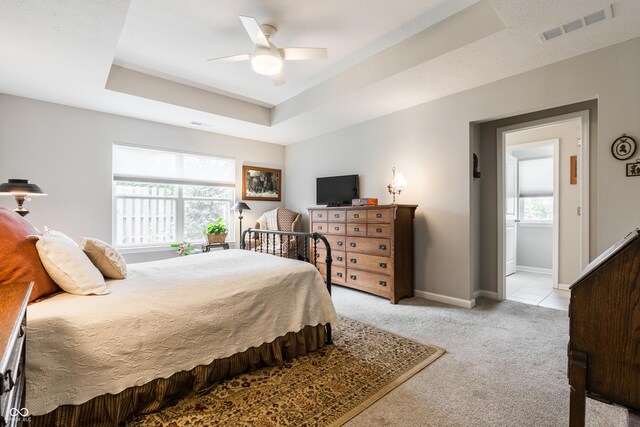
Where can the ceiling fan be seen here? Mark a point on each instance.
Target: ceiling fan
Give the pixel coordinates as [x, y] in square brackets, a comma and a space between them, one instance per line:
[267, 59]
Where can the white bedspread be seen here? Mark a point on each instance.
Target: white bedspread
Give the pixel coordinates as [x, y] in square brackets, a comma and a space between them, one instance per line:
[167, 316]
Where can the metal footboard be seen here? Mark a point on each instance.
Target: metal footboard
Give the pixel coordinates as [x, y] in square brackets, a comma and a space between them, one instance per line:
[289, 244]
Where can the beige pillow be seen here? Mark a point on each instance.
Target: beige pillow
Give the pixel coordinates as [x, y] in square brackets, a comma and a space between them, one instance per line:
[108, 260]
[68, 266]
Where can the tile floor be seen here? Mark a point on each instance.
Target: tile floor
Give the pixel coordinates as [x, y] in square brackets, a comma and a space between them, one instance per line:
[536, 289]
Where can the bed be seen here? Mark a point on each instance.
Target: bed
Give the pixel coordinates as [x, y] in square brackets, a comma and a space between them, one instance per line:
[170, 328]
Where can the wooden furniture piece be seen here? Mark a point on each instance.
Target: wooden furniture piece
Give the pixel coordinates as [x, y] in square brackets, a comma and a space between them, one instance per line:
[207, 247]
[604, 331]
[13, 314]
[372, 247]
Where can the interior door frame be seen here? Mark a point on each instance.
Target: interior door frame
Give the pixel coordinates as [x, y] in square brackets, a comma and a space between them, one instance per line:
[583, 183]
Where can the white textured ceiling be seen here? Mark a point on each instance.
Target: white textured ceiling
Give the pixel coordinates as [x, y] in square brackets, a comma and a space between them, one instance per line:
[62, 51]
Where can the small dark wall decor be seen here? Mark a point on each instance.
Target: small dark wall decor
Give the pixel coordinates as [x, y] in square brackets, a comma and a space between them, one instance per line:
[623, 147]
[261, 184]
[633, 169]
[573, 174]
[476, 169]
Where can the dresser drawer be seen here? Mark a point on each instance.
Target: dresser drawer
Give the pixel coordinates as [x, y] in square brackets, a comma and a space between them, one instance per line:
[376, 264]
[336, 228]
[359, 215]
[379, 215]
[338, 274]
[378, 284]
[356, 229]
[381, 247]
[379, 230]
[338, 257]
[337, 243]
[336, 216]
[320, 215]
[320, 227]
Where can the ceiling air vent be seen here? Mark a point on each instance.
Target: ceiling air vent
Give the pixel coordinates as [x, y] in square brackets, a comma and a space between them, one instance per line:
[576, 24]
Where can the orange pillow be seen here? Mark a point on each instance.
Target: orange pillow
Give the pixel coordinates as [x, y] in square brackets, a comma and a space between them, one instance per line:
[19, 260]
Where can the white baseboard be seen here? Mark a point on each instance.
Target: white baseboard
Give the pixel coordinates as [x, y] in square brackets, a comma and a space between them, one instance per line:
[534, 269]
[485, 294]
[458, 302]
[563, 286]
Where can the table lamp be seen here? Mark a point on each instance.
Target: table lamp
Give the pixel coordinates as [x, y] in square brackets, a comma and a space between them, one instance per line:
[398, 183]
[20, 189]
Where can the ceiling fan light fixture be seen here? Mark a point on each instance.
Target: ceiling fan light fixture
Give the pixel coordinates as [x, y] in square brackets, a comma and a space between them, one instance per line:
[266, 64]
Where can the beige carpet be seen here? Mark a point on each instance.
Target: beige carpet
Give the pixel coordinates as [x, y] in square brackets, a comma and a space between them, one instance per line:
[326, 388]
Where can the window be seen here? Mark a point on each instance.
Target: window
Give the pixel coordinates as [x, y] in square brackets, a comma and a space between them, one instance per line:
[162, 197]
[535, 180]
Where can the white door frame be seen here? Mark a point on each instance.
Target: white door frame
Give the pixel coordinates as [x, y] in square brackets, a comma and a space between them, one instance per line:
[583, 184]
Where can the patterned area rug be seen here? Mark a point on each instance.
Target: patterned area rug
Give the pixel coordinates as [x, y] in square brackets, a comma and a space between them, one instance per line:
[325, 388]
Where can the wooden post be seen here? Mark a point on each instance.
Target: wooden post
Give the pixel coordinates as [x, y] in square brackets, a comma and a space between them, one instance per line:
[578, 387]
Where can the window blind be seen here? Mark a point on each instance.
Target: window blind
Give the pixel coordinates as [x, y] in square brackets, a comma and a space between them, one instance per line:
[132, 163]
[536, 177]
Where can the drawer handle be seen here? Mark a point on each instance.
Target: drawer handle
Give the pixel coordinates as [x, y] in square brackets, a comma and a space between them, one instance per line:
[383, 247]
[319, 215]
[339, 258]
[356, 228]
[353, 277]
[319, 227]
[382, 283]
[378, 230]
[336, 216]
[378, 215]
[353, 260]
[352, 244]
[337, 228]
[356, 215]
[340, 243]
[339, 274]
[383, 265]
[21, 334]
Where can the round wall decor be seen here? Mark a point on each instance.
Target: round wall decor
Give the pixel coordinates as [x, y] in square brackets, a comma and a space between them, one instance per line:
[623, 147]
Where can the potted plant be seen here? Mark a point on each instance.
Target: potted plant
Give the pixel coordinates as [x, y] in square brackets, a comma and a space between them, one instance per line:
[216, 232]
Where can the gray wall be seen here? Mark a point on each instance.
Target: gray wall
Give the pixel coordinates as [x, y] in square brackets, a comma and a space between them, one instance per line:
[431, 144]
[535, 246]
[67, 151]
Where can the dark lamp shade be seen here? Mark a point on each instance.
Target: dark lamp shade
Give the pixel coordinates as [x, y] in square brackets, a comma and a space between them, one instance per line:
[241, 206]
[20, 187]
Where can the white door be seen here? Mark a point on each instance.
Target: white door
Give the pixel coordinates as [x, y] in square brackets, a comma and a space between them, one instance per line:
[511, 212]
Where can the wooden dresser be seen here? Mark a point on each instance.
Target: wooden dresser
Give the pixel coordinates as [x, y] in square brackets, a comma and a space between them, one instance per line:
[371, 247]
[13, 309]
[604, 331]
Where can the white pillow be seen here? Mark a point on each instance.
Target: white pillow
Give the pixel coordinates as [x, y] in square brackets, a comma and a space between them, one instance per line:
[68, 266]
[50, 232]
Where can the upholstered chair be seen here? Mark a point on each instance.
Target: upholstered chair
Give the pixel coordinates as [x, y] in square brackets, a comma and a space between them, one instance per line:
[280, 219]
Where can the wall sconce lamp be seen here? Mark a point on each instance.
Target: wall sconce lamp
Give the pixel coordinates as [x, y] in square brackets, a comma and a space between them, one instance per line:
[20, 189]
[398, 183]
[240, 206]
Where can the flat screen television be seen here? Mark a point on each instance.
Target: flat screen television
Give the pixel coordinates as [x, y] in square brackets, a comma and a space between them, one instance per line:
[337, 190]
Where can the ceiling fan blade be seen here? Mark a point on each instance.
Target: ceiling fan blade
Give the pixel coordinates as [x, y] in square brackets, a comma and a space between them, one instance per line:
[255, 33]
[278, 79]
[301, 53]
[234, 58]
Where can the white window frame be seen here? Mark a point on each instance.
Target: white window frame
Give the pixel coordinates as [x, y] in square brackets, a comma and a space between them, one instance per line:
[180, 199]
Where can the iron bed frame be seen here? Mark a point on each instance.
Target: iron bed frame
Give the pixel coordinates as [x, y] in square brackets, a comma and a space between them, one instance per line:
[262, 238]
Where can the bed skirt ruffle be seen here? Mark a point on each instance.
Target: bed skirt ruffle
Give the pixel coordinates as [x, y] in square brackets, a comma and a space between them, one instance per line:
[111, 410]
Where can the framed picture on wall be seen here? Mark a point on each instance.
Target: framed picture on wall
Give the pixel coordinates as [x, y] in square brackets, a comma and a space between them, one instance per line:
[261, 184]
